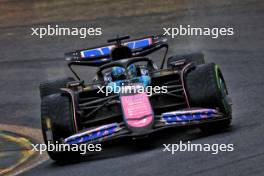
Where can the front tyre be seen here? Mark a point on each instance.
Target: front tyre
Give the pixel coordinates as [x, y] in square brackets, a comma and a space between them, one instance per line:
[53, 86]
[206, 88]
[57, 123]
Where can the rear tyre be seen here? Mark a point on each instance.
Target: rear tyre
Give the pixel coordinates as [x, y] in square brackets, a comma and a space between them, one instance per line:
[206, 88]
[51, 87]
[57, 123]
[196, 58]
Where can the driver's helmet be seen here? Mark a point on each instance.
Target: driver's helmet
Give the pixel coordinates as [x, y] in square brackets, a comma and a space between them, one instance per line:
[132, 70]
[120, 72]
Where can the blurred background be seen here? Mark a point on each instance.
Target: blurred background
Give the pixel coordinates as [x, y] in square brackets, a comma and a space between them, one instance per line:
[27, 60]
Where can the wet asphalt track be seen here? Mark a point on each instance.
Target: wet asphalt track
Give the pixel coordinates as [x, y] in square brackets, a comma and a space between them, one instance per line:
[25, 61]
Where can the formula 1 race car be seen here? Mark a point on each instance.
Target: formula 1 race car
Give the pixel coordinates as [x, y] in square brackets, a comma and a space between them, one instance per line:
[131, 96]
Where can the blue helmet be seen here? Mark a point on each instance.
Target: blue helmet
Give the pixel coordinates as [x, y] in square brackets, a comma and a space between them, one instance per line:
[132, 70]
[118, 72]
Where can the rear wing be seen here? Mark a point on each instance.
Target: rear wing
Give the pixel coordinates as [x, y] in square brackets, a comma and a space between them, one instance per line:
[106, 50]
[100, 55]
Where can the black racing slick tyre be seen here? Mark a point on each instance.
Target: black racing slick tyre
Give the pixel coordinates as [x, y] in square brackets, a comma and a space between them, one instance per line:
[57, 122]
[206, 88]
[196, 58]
[53, 86]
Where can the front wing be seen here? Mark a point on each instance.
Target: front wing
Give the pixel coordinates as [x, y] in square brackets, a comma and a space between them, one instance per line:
[186, 117]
